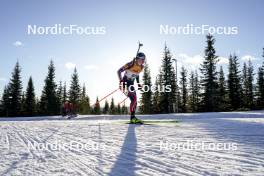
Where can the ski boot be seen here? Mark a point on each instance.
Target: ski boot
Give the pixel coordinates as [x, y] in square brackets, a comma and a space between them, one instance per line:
[134, 120]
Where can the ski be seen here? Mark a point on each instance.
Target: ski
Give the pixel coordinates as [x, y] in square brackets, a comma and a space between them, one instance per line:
[160, 121]
[152, 122]
[71, 116]
[129, 123]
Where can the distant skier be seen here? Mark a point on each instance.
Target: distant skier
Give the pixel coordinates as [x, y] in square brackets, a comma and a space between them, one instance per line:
[66, 108]
[132, 71]
[71, 109]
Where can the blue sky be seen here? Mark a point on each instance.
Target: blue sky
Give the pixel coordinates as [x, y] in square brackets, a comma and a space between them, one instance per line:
[97, 57]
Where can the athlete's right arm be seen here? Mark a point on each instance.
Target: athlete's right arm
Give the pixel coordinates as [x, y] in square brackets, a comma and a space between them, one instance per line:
[125, 67]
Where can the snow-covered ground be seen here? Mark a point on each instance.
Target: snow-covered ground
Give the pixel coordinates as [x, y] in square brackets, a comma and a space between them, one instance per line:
[108, 146]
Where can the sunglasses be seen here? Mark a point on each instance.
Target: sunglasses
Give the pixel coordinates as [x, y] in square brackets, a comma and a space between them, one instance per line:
[141, 58]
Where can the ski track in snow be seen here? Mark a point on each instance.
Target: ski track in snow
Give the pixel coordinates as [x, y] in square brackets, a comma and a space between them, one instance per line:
[124, 149]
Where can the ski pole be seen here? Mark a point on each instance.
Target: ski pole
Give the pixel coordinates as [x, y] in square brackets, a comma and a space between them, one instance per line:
[122, 101]
[124, 98]
[106, 96]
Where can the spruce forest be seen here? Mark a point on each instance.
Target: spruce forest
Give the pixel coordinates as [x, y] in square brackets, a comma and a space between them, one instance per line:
[207, 89]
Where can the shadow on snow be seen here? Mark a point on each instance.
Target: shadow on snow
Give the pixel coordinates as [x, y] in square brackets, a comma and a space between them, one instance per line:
[126, 160]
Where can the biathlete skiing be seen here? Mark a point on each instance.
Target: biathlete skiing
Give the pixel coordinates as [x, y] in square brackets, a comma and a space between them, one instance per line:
[132, 71]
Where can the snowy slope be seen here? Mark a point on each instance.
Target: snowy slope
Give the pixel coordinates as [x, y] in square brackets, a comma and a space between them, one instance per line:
[115, 148]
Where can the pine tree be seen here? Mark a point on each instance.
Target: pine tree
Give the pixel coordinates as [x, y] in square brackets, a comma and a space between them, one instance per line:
[75, 90]
[244, 83]
[156, 102]
[234, 84]
[112, 107]
[106, 107]
[48, 100]
[209, 78]
[30, 99]
[6, 100]
[222, 91]
[124, 109]
[15, 92]
[60, 98]
[250, 85]
[37, 106]
[84, 102]
[183, 89]
[194, 92]
[2, 112]
[247, 87]
[118, 109]
[97, 108]
[146, 104]
[60, 94]
[260, 86]
[167, 98]
[64, 93]
[23, 106]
